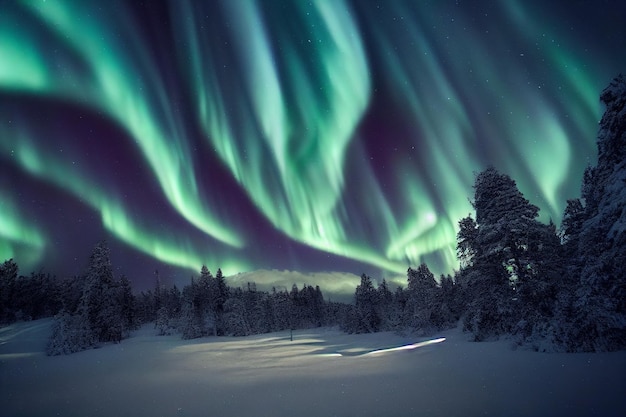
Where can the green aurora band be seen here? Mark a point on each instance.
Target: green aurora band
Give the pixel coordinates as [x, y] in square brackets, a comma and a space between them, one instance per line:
[285, 95]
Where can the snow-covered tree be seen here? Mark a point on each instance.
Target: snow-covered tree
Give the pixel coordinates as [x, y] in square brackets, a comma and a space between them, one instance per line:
[110, 319]
[202, 305]
[70, 334]
[98, 315]
[571, 225]
[295, 315]
[235, 321]
[420, 303]
[390, 317]
[466, 241]
[99, 303]
[599, 302]
[191, 320]
[8, 278]
[447, 311]
[311, 306]
[36, 296]
[163, 322]
[219, 295]
[127, 306]
[366, 300]
[512, 265]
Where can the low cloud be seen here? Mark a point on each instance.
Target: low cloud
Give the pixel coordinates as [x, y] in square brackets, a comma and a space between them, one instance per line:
[336, 286]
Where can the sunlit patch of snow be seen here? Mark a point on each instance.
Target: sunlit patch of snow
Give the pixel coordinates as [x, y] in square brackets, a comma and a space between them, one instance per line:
[407, 347]
[358, 352]
[329, 355]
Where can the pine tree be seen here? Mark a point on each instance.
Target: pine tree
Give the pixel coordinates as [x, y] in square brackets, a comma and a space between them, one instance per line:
[537, 290]
[202, 300]
[514, 260]
[571, 225]
[8, 278]
[253, 309]
[203, 307]
[97, 315]
[466, 241]
[318, 307]
[447, 310]
[295, 316]
[109, 316]
[70, 334]
[397, 320]
[162, 324]
[421, 299]
[219, 297]
[59, 341]
[385, 307]
[36, 296]
[71, 290]
[127, 306]
[98, 303]
[349, 320]
[283, 310]
[144, 307]
[173, 303]
[365, 298]
[190, 322]
[235, 321]
[599, 302]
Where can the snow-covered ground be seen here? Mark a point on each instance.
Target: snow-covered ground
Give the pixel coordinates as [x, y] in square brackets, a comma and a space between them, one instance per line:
[269, 375]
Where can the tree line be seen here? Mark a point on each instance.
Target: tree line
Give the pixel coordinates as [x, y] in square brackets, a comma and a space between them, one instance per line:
[95, 308]
[548, 289]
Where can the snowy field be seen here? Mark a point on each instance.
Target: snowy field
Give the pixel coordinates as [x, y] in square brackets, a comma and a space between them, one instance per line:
[322, 372]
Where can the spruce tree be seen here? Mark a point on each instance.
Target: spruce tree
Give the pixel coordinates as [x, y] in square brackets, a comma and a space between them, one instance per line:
[70, 334]
[365, 298]
[283, 310]
[98, 314]
[295, 316]
[420, 304]
[385, 307]
[514, 260]
[127, 305]
[219, 297]
[202, 301]
[98, 304]
[447, 310]
[571, 225]
[8, 278]
[599, 302]
[235, 315]
[190, 321]
[466, 241]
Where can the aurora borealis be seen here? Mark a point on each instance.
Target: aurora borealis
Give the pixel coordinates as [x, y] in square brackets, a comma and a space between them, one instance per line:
[303, 135]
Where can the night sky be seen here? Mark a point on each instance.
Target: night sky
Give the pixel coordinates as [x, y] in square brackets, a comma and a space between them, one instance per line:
[296, 135]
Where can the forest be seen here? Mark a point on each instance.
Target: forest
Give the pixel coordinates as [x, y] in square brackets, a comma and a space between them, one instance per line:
[547, 288]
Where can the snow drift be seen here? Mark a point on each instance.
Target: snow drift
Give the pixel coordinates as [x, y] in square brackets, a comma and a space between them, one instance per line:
[269, 375]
